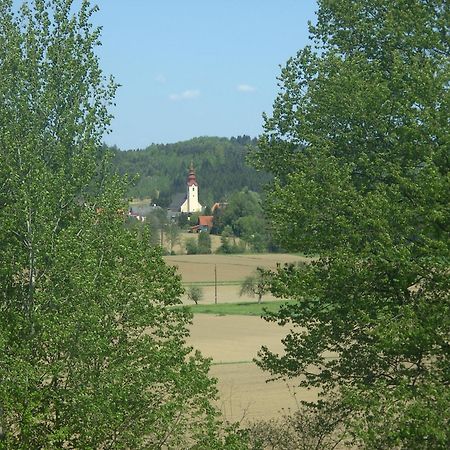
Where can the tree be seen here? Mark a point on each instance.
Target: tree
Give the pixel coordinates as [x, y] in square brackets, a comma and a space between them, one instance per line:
[252, 231]
[162, 169]
[91, 354]
[151, 223]
[193, 218]
[226, 246]
[182, 221]
[204, 242]
[172, 235]
[242, 204]
[358, 146]
[307, 428]
[159, 223]
[218, 225]
[244, 215]
[255, 285]
[195, 293]
[191, 246]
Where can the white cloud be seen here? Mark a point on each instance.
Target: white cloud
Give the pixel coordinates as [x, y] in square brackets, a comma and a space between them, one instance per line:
[245, 88]
[186, 95]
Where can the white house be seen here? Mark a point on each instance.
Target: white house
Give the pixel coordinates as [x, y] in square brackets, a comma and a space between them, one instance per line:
[191, 204]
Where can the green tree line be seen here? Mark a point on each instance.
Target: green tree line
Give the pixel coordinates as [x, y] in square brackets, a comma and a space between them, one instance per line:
[161, 169]
[358, 144]
[92, 354]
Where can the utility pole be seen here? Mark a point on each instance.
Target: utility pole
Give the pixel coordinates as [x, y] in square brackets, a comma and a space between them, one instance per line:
[215, 284]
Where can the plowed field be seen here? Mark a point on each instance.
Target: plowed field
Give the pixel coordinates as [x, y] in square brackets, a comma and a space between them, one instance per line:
[231, 271]
[233, 342]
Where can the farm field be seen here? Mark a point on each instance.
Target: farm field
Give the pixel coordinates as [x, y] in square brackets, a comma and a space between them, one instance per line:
[233, 341]
[231, 271]
[242, 308]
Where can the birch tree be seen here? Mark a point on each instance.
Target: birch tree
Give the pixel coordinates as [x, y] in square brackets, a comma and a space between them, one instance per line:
[91, 354]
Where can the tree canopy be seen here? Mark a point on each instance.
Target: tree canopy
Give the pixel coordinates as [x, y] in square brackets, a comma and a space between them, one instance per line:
[220, 164]
[91, 354]
[255, 285]
[243, 215]
[358, 146]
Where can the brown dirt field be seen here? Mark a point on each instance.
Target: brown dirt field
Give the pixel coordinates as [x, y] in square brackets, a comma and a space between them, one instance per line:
[226, 294]
[230, 268]
[232, 342]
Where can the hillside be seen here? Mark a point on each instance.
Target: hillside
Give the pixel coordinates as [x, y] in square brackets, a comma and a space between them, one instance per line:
[162, 168]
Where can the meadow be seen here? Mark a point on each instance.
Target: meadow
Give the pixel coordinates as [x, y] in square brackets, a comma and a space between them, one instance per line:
[239, 309]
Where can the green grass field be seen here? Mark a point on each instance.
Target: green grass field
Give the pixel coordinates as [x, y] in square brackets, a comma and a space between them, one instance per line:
[212, 283]
[242, 309]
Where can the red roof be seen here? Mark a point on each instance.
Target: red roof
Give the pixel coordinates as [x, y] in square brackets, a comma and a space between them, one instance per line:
[206, 221]
[218, 206]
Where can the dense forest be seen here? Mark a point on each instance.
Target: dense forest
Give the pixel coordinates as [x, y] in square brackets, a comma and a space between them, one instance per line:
[161, 169]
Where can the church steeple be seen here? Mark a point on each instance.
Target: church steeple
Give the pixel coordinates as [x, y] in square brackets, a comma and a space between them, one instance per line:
[191, 203]
[192, 179]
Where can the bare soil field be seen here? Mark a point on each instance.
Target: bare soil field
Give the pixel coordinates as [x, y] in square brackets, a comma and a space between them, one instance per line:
[226, 294]
[233, 342]
[229, 267]
[231, 270]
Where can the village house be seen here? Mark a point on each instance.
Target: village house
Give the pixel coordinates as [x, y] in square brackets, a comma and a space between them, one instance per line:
[205, 223]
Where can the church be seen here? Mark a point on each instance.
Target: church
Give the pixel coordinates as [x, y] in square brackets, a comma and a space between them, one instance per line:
[191, 203]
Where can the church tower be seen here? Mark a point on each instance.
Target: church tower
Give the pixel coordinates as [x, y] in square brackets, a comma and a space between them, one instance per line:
[191, 203]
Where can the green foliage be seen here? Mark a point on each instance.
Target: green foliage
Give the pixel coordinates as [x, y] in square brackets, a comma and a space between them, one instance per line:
[159, 228]
[155, 228]
[227, 246]
[255, 285]
[358, 146]
[310, 427]
[193, 218]
[240, 309]
[204, 242]
[191, 246]
[172, 231]
[91, 353]
[182, 221]
[252, 230]
[243, 215]
[195, 293]
[220, 164]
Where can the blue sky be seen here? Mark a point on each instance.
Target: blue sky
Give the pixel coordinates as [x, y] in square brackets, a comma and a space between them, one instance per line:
[198, 67]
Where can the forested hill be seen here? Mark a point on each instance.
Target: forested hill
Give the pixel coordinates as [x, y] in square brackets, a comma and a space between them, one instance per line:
[162, 168]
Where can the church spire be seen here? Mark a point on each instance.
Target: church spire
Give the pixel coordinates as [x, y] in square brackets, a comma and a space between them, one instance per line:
[192, 179]
[191, 203]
